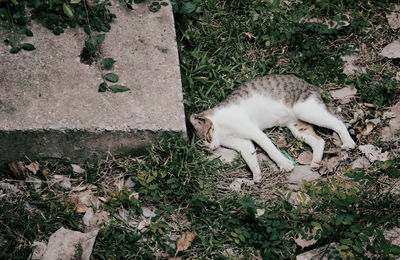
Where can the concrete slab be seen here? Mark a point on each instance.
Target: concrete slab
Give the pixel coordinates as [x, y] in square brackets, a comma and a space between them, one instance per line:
[49, 101]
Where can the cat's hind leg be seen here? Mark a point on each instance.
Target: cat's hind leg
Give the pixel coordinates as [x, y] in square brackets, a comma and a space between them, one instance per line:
[248, 152]
[306, 132]
[315, 112]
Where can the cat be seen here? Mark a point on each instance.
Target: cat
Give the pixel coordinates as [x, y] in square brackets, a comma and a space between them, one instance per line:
[264, 102]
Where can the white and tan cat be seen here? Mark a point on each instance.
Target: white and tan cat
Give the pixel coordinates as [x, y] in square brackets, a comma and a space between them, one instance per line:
[264, 102]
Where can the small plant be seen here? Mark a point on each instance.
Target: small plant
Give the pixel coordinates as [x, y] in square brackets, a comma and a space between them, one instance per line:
[378, 92]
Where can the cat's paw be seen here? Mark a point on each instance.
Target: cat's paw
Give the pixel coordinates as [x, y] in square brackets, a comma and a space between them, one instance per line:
[286, 166]
[349, 145]
[315, 165]
[257, 178]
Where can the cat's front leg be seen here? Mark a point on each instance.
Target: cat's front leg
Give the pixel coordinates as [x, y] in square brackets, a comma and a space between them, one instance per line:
[266, 144]
[248, 152]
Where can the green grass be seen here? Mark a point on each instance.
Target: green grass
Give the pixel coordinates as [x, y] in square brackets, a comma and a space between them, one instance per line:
[221, 44]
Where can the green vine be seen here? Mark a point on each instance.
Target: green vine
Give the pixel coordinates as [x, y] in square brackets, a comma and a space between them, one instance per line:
[57, 15]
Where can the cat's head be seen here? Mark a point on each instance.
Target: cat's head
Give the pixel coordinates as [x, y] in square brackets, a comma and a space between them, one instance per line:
[205, 130]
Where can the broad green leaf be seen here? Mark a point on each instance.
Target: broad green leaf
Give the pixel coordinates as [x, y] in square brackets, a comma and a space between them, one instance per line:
[28, 32]
[100, 38]
[395, 249]
[90, 47]
[68, 11]
[87, 29]
[344, 247]
[103, 87]
[58, 31]
[105, 27]
[15, 50]
[15, 2]
[118, 88]
[164, 3]
[107, 63]
[355, 228]
[111, 77]
[316, 224]
[75, 1]
[6, 25]
[358, 249]
[346, 241]
[172, 180]
[188, 8]
[27, 46]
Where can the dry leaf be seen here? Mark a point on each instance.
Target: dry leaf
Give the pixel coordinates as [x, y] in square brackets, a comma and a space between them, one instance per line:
[77, 169]
[185, 241]
[78, 205]
[332, 163]
[33, 167]
[360, 163]
[18, 170]
[175, 258]
[392, 50]
[393, 20]
[260, 212]
[144, 223]
[343, 94]
[389, 132]
[148, 212]
[164, 255]
[304, 242]
[305, 157]
[373, 153]
[370, 126]
[358, 115]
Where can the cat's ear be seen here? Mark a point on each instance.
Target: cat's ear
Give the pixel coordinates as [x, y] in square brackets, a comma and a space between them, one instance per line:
[197, 120]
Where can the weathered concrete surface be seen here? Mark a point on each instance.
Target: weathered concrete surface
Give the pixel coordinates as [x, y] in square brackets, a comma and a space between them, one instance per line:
[49, 101]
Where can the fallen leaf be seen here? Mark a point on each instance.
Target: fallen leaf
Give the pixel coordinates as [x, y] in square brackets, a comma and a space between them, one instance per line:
[18, 170]
[373, 153]
[260, 212]
[358, 115]
[393, 20]
[300, 174]
[60, 182]
[332, 163]
[392, 50]
[148, 212]
[297, 198]
[77, 169]
[397, 77]
[305, 157]
[343, 94]
[360, 163]
[304, 242]
[33, 167]
[144, 223]
[369, 127]
[68, 244]
[185, 241]
[389, 132]
[78, 205]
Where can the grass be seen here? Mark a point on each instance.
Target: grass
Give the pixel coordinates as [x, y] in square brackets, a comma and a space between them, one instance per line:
[221, 44]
